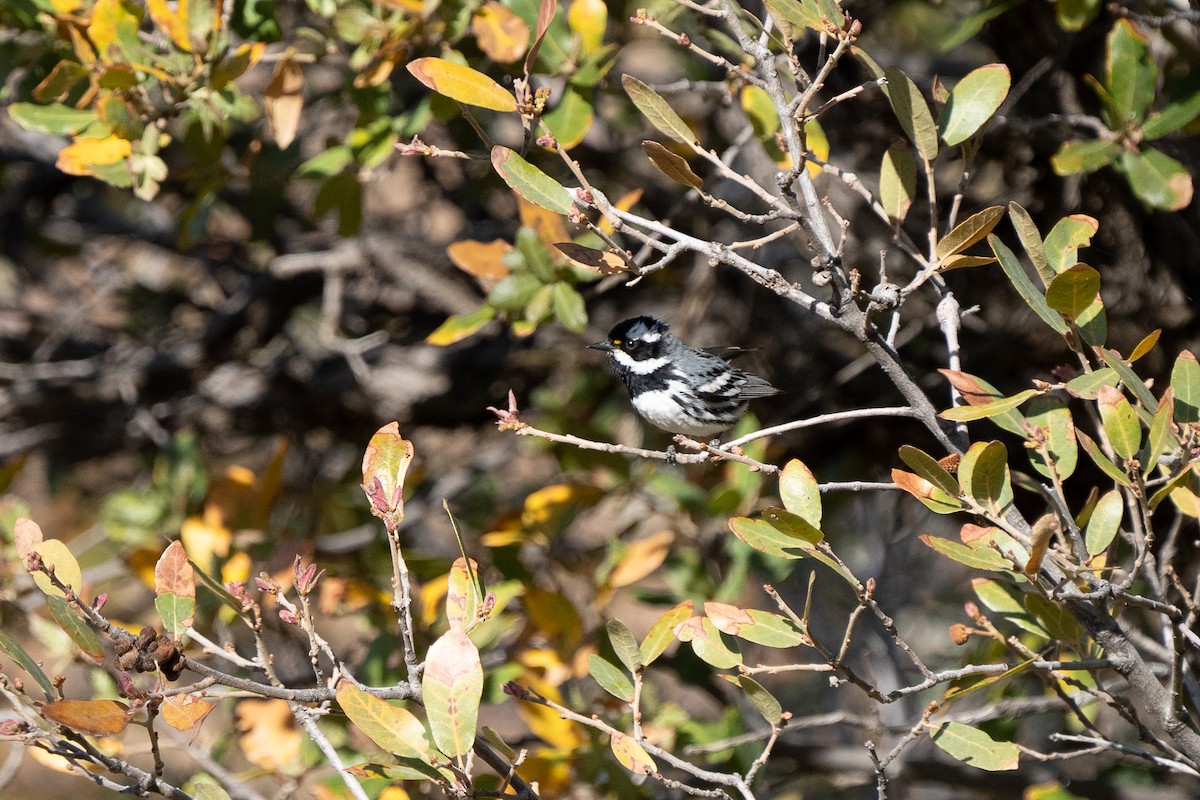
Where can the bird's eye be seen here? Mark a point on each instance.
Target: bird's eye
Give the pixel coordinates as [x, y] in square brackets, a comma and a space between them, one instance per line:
[631, 344]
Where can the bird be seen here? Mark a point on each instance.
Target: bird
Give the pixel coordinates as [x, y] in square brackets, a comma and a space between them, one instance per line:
[675, 387]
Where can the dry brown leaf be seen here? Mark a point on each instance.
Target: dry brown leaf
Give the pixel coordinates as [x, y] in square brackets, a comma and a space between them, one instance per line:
[283, 99]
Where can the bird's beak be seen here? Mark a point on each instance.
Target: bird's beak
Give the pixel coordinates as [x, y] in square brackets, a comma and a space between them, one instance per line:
[605, 346]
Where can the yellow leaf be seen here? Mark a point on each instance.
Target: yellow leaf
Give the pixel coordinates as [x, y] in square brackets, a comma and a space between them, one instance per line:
[109, 17]
[237, 568]
[205, 541]
[461, 83]
[501, 34]
[548, 502]
[432, 594]
[643, 557]
[81, 155]
[283, 99]
[588, 19]
[632, 755]
[268, 733]
[550, 769]
[818, 144]
[66, 6]
[393, 793]
[627, 201]
[173, 23]
[545, 723]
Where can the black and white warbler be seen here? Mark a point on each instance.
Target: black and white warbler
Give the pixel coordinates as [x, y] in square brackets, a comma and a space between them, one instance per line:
[676, 387]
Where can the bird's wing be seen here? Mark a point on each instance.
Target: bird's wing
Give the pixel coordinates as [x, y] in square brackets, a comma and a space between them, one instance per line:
[729, 353]
[756, 387]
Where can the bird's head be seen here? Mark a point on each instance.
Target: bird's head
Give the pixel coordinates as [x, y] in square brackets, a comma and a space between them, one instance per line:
[635, 341]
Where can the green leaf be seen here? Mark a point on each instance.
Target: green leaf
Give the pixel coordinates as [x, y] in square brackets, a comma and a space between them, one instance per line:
[928, 468]
[970, 413]
[800, 493]
[1129, 73]
[569, 308]
[1172, 117]
[1087, 386]
[983, 475]
[1058, 432]
[1066, 237]
[913, 112]
[662, 632]
[766, 538]
[451, 689]
[969, 231]
[1054, 617]
[624, 644]
[1160, 439]
[610, 678]
[974, 747]
[175, 611]
[341, 193]
[1130, 378]
[393, 728]
[1073, 158]
[462, 83]
[771, 630]
[55, 118]
[1104, 523]
[707, 643]
[657, 110]
[982, 557]
[1074, 16]
[1073, 290]
[973, 101]
[571, 119]
[1120, 422]
[998, 597]
[793, 525]
[897, 182]
[760, 698]
[530, 182]
[460, 326]
[13, 649]
[1107, 467]
[1093, 323]
[1031, 240]
[1029, 293]
[1185, 383]
[74, 626]
[1158, 180]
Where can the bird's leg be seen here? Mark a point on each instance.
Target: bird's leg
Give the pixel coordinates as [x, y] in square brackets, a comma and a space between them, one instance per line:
[672, 456]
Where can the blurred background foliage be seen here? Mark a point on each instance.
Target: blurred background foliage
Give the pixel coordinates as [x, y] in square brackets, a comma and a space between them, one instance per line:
[218, 276]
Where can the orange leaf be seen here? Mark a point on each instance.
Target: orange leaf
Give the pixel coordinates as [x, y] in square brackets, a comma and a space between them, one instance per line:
[27, 535]
[501, 34]
[270, 737]
[186, 711]
[93, 717]
[283, 100]
[549, 226]
[642, 558]
[173, 573]
[484, 260]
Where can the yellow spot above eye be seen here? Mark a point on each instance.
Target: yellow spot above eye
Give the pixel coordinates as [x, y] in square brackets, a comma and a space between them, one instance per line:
[616, 342]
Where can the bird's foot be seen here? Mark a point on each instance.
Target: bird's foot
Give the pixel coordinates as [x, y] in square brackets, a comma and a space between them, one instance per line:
[672, 456]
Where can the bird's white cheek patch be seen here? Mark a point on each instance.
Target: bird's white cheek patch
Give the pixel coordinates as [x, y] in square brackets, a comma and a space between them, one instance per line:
[638, 367]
